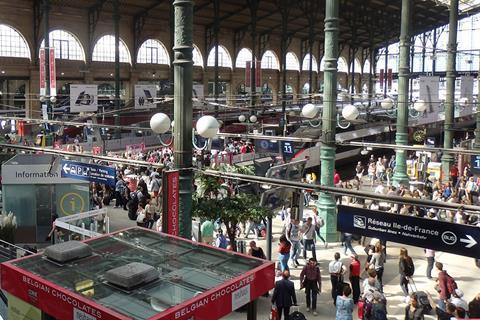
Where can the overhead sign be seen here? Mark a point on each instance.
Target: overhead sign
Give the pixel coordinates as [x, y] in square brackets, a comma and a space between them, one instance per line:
[288, 150]
[88, 172]
[475, 161]
[53, 72]
[420, 232]
[171, 186]
[83, 97]
[43, 85]
[145, 95]
[33, 174]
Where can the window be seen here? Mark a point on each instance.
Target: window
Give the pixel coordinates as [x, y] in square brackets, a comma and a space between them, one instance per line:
[154, 52]
[358, 68]
[366, 67]
[105, 50]
[306, 63]
[270, 60]
[224, 59]
[292, 62]
[12, 43]
[243, 56]
[341, 65]
[67, 47]
[197, 57]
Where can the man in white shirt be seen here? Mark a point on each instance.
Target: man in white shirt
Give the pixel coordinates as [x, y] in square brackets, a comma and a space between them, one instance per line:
[293, 235]
[336, 270]
[308, 231]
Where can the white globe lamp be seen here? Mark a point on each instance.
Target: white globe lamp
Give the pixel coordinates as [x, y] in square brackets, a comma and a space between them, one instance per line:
[350, 112]
[463, 102]
[420, 105]
[53, 99]
[43, 99]
[160, 123]
[387, 103]
[310, 110]
[242, 118]
[207, 126]
[253, 118]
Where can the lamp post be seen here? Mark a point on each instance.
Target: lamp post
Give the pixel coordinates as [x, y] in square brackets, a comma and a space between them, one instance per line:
[326, 202]
[400, 176]
[182, 133]
[447, 159]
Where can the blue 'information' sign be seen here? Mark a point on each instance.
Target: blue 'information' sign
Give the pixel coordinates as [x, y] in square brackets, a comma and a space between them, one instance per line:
[88, 172]
[419, 232]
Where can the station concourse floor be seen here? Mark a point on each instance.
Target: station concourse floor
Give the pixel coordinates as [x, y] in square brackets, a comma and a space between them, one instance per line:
[463, 269]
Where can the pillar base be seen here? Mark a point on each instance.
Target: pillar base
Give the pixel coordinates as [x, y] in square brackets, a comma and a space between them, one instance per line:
[400, 176]
[327, 209]
[447, 161]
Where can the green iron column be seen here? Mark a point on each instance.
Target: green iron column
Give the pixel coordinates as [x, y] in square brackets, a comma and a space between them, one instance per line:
[400, 176]
[447, 159]
[326, 203]
[116, 22]
[183, 74]
[477, 127]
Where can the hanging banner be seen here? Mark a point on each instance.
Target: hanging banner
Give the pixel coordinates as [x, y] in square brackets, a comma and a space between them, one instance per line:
[381, 78]
[258, 76]
[171, 187]
[466, 88]
[135, 148]
[389, 79]
[429, 88]
[248, 74]
[198, 95]
[145, 95]
[53, 75]
[42, 72]
[83, 97]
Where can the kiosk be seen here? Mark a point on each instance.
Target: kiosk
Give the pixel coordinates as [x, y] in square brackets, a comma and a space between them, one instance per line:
[33, 189]
[172, 279]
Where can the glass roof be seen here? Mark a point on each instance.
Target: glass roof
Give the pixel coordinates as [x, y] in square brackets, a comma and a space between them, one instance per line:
[463, 5]
[186, 270]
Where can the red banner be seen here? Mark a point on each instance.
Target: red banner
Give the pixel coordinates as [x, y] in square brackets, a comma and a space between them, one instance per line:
[42, 72]
[54, 300]
[389, 79]
[171, 186]
[381, 78]
[53, 75]
[248, 74]
[258, 74]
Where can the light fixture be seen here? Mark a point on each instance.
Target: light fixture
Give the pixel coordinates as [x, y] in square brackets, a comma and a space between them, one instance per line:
[310, 110]
[364, 152]
[242, 118]
[62, 74]
[43, 99]
[420, 105]
[207, 126]
[111, 74]
[253, 118]
[160, 123]
[387, 103]
[350, 112]
[3, 71]
[53, 99]
[463, 102]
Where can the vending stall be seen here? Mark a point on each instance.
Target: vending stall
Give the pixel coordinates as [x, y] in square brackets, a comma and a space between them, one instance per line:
[137, 274]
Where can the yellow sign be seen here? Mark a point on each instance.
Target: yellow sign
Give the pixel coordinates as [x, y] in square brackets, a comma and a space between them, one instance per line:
[20, 310]
[72, 203]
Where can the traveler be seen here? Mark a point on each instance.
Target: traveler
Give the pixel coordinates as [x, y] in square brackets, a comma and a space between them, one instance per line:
[348, 243]
[458, 301]
[344, 304]
[406, 270]
[284, 296]
[206, 231]
[336, 270]
[442, 286]
[474, 307]
[430, 255]
[293, 235]
[377, 263]
[308, 230]
[414, 311]
[284, 247]
[311, 280]
[355, 278]
[449, 313]
[221, 241]
[255, 251]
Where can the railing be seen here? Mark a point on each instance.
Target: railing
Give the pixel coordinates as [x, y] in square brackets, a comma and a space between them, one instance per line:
[11, 251]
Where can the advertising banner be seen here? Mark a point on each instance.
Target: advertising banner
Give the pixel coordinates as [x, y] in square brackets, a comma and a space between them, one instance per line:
[429, 88]
[83, 97]
[248, 74]
[197, 93]
[389, 79]
[466, 88]
[258, 75]
[145, 95]
[43, 85]
[381, 78]
[88, 172]
[53, 70]
[419, 232]
[171, 187]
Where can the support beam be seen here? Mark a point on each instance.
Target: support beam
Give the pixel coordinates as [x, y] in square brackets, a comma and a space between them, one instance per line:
[400, 176]
[183, 111]
[46, 30]
[37, 19]
[93, 17]
[216, 30]
[326, 203]
[116, 26]
[447, 159]
[253, 5]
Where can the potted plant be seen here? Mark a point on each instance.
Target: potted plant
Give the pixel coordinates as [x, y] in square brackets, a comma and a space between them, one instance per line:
[8, 227]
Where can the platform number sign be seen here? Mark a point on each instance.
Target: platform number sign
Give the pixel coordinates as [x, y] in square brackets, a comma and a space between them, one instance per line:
[475, 163]
[288, 150]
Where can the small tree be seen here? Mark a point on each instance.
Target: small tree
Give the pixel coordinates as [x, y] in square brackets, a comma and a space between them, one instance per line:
[215, 197]
[8, 227]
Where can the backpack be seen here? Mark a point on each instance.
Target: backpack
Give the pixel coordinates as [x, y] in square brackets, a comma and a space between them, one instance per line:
[379, 312]
[451, 284]
[409, 267]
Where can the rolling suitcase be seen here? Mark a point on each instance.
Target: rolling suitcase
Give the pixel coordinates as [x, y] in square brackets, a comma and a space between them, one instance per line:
[297, 315]
[421, 296]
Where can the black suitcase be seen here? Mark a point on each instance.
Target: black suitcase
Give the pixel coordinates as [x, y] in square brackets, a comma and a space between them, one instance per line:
[297, 315]
[421, 297]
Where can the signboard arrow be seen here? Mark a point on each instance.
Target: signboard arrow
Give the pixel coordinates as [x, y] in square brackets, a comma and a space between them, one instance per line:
[443, 236]
[66, 168]
[470, 241]
[88, 172]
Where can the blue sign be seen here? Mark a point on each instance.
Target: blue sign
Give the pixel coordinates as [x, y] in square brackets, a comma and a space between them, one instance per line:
[88, 172]
[288, 149]
[266, 146]
[475, 161]
[419, 232]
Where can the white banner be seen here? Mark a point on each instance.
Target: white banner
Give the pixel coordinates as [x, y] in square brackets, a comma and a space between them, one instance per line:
[145, 95]
[466, 88]
[429, 87]
[197, 95]
[83, 97]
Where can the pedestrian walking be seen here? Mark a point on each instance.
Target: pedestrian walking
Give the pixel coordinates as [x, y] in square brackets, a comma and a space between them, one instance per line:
[284, 296]
[336, 270]
[355, 278]
[348, 243]
[377, 263]
[414, 311]
[430, 255]
[308, 231]
[406, 270]
[293, 235]
[311, 280]
[284, 247]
